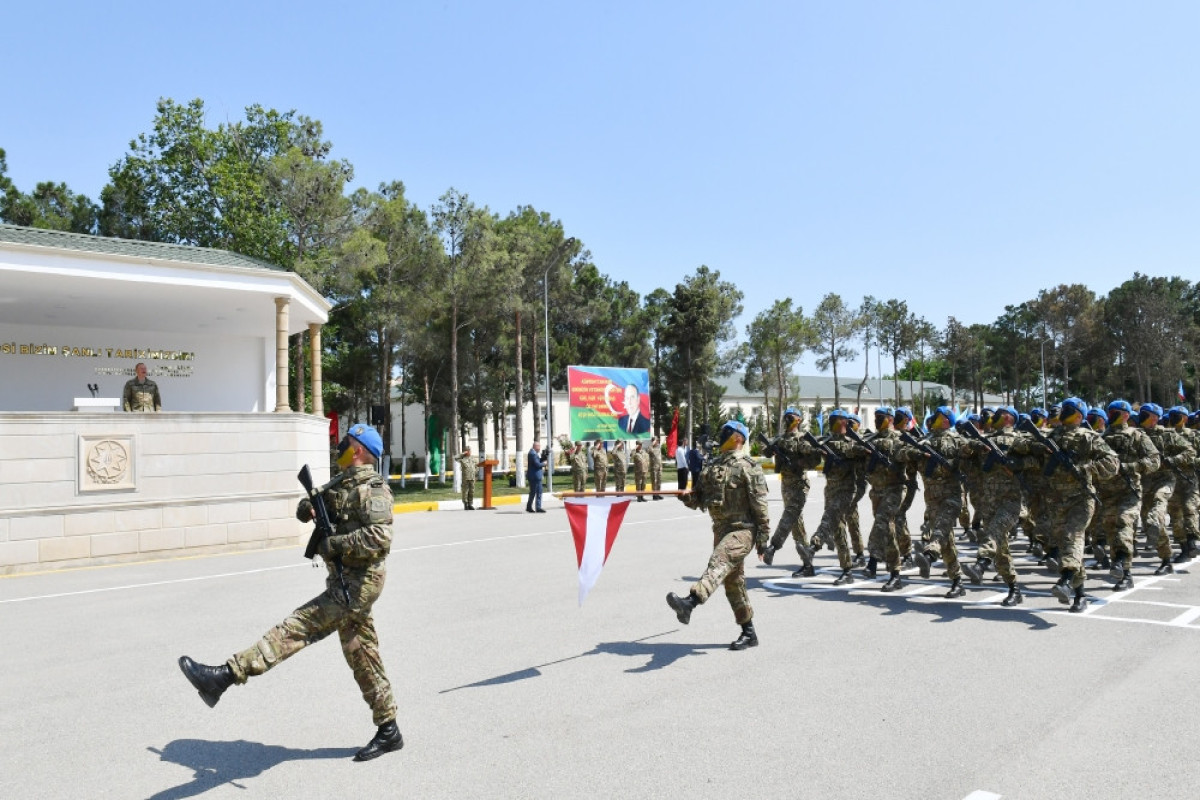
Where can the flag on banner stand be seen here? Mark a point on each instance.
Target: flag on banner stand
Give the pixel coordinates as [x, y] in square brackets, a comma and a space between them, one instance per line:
[594, 524]
[1180, 392]
[673, 435]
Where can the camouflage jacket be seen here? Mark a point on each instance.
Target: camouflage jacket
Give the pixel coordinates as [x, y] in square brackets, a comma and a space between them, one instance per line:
[1137, 456]
[732, 489]
[801, 455]
[655, 454]
[360, 507]
[579, 461]
[851, 454]
[879, 475]
[1088, 451]
[999, 482]
[141, 396]
[949, 445]
[470, 465]
[618, 460]
[600, 461]
[641, 461]
[1174, 450]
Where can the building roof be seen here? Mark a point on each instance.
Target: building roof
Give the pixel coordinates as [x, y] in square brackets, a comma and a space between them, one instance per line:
[812, 387]
[160, 251]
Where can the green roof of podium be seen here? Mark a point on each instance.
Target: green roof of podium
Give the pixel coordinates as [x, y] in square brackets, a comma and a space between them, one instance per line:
[162, 251]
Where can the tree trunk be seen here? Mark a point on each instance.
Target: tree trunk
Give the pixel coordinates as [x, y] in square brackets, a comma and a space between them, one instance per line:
[298, 405]
[451, 449]
[425, 430]
[687, 360]
[533, 388]
[519, 400]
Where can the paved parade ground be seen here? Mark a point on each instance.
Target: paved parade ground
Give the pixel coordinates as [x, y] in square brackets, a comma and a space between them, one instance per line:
[508, 689]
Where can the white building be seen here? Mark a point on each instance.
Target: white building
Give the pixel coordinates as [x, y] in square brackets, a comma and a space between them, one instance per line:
[80, 484]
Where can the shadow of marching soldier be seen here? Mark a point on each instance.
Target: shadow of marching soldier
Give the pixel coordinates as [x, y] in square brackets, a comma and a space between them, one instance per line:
[217, 763]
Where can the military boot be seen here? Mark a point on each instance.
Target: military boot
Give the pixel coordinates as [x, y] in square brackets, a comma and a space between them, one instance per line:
[1187, 552]
[683, 605]
[1117, 573]
[956, 589]
[860, 560]
[977, 570]
[923, 561]
[805, 571]
[769, 554]
[1080, 602]
[386, 739]
[1015, 596]
[210, 682]
[1102, 559]
[846, 578]
[1124, 584]
[893, 582]
[1062, 589]
[805, 553]
[748, 638]
[1053, 563]
[1165, 568]
[872, 568]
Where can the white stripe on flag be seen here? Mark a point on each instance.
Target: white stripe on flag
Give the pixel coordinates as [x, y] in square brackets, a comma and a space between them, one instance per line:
[594, 523]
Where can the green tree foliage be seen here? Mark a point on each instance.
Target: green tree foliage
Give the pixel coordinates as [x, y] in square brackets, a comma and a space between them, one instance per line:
[52, 206]
[776, 339]
[836, 325]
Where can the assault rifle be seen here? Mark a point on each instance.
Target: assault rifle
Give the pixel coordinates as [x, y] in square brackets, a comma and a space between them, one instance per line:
[1058, 457]
[936, 459]
[771, 448]
[995, 454]
[824, 449]
[877, 455]
[323, 529]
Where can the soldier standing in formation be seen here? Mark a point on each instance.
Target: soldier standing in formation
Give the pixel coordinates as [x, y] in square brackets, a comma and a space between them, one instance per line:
[579, 467]
[618, 460]
[468, 466]
[641, 468]
[600, 465]
[732, 489]
[141, 393]
[360, 507]
[656, 462]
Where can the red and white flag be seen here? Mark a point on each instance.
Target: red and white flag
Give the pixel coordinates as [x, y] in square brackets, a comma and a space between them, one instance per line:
[594, 523]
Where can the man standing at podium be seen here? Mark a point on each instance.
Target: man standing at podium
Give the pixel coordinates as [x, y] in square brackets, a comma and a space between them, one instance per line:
[141, 393]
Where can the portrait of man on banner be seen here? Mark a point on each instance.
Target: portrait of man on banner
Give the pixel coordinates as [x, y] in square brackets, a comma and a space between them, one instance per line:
[609, 403]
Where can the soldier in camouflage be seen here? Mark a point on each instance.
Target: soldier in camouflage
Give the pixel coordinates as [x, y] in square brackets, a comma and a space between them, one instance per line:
[887, 480]
[641, 468]
[141, 393]
[1175, 453]
[841, 479]
[1184, 505]
[656, 459]
[360, 507]
[579, 467]
[618, 460]
[731, 488]
[600, 466]
[1121, 495]
[468, 465]
[1072, 492]
[793, 458]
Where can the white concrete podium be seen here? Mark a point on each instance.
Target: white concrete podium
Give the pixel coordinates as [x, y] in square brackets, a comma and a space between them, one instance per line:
[97, 404]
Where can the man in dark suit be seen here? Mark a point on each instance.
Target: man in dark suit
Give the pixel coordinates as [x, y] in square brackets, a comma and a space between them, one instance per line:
[632, 421]
[534, 469]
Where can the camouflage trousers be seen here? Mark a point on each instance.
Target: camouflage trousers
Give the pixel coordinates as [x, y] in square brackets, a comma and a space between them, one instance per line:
[944, 504]
[985, 503]
[839, 500]
[1156, 494]
[468, 493]
[1118, 515]
[1184, 506]
[639, 480]
[656, 478]
[882, 542]
[316, 619]
[725, 566]
[854, 529]
[601, 479]
[579, 480]
[791, 520]
[1039, 515]
[1073, 515]
[1000, 515]
[618, 480]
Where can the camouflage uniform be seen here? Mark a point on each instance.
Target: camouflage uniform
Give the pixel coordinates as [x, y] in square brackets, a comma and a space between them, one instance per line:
[655, 454]
[600, 466]
[141, 396]
[1072, 498]
[791, 448]
[579, 469]
[1121, 495]
[943, 496]
[731, 488]
[887, 494]
[618, 460]
[469, 467]
[360, 508]
[998, 498]
[641, 466]
[841, 485]
[1158, 486]
[1184, 505]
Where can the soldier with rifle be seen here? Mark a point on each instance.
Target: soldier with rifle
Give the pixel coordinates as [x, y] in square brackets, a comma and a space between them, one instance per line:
[1184, 505]
[841, 454]
[887, 478]
[793, 458]
[353, 536]
[1121, 495]
[903, 422]
[1174, 452]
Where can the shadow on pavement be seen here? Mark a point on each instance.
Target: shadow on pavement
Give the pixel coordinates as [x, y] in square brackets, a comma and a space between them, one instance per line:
[218, 763]
[661, 654]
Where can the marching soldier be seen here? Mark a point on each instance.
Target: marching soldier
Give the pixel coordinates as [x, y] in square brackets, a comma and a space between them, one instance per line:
[1121, 495]
[731, 488]
[1175, 453]
[841, 475]
[888, 481]
[793, 458]
[1184, 505]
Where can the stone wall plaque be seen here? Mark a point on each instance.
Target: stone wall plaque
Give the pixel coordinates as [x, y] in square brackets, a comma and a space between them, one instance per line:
[107, 463]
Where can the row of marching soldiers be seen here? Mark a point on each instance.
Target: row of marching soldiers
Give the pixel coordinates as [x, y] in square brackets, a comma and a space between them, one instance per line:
[1075, 478]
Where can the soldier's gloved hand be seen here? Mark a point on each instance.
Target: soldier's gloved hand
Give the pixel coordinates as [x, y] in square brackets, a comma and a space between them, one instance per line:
[768, 555]
[762, 551]
[328, 548]
[304, 510]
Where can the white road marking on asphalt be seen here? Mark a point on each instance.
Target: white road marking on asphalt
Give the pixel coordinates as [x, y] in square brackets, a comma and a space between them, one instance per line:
[149, 584]
[979, 794]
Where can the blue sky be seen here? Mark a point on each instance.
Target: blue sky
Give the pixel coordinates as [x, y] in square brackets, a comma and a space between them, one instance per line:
[957, 155]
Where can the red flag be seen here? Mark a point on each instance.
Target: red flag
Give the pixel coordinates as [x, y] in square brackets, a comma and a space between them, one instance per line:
[673, 435]
[594, 523]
